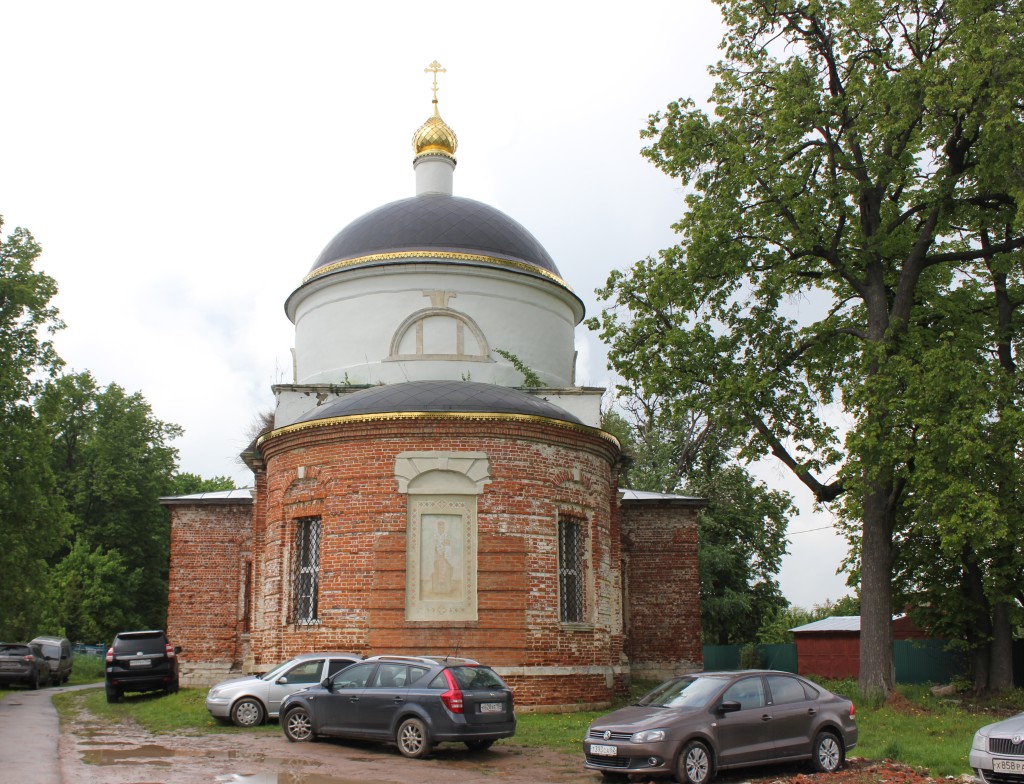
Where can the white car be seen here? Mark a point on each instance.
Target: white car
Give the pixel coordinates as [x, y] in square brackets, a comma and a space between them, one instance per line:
[997, 752]
[253, 699]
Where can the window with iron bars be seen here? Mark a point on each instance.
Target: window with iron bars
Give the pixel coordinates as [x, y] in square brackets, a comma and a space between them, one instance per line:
[306, 581]
[570, 571]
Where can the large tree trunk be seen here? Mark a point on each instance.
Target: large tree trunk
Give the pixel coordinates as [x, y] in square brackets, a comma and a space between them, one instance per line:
[1000, 674]
[876, 662]
[979, 634]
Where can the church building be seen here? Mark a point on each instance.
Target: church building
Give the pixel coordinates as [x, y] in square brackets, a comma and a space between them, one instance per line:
[435, 482]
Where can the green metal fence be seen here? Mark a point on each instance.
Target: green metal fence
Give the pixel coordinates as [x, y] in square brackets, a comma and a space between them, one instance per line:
[770, 657]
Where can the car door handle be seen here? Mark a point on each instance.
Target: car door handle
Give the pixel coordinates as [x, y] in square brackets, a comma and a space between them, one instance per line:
[766, 717]
[353, 699]
[812, 711]
[399, 698]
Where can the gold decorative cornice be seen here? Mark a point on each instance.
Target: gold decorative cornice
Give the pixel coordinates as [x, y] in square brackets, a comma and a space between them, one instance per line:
[436, 255]
[399, 416]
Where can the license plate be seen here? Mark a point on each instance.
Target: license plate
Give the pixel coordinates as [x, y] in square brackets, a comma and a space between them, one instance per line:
[1008, 766]
[603, 751]
[139, 663]
[492, 707]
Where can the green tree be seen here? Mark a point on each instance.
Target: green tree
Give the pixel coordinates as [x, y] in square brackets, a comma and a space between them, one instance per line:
[958, 566]
[33, 523]
[861, 159]
[190, 484]
[114, 461]
[742, 538]
[92, 595]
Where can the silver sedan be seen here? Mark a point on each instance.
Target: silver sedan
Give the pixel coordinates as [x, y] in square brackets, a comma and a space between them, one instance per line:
[253, 699]
[997, 753]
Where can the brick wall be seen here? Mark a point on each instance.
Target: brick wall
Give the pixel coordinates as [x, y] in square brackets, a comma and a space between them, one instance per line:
[206, 602]
[662, 597]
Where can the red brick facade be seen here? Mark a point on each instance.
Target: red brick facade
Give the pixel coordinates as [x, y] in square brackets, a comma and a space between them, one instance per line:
[344, 475]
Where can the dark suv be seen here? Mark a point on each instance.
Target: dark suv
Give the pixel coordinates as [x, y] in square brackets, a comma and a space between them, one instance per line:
[414, 701]
[141, 661]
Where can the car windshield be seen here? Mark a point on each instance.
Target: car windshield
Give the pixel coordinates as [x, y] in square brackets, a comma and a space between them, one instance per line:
[278, 671]
[688, 692]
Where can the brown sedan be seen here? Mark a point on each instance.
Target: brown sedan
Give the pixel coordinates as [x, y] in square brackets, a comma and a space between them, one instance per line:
[698, 724]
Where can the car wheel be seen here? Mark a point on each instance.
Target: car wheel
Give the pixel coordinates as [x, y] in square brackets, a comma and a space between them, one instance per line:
[828, 754]
[479, 745]
[113, 696]
[247, 712]
[694, 764]
[412, 739]
[297, 726]
[172, 688]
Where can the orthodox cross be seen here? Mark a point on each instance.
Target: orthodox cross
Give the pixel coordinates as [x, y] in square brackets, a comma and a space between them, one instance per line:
[436, 68]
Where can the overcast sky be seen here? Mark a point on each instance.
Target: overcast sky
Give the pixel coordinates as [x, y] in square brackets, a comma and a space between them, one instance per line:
[184, 164]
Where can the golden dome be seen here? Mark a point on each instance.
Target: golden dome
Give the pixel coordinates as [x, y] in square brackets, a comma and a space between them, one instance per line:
[434, 136]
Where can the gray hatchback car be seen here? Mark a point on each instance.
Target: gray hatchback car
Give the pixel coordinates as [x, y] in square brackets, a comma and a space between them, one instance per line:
[696, 725]
[413, 701]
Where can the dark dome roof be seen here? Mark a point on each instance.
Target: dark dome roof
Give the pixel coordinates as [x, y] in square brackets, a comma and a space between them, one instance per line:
[441, 223]
[461, 397]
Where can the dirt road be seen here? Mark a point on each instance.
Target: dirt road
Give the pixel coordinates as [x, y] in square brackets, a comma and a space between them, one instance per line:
[98, 752]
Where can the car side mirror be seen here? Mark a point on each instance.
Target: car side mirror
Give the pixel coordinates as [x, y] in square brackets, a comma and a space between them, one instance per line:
[729, 706]
[283, 679]
[177, 649]
[328, 683]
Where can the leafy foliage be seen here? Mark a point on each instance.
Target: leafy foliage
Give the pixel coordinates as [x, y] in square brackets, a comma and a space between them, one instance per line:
[114, 461]
[861, 169]
[33, 521]
[530, 378]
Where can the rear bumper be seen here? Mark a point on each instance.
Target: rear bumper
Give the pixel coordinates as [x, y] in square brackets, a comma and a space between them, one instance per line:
[474, 732]
[140, 682]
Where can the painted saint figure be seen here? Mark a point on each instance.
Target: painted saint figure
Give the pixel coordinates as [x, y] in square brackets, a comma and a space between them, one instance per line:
[441, 579]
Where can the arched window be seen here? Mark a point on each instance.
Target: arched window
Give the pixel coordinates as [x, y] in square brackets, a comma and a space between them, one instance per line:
[439, 333]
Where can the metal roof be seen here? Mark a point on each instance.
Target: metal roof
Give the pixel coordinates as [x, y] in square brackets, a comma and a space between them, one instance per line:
[240, 495]
[463, 397]
[627, 495]
[436, 222]
[837, 623]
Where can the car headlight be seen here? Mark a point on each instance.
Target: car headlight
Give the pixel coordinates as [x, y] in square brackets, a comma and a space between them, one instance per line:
[980, 742]
[648, 736]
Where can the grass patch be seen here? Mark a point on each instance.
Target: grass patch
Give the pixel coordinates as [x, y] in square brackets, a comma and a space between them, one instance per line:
[86, 668]
[917, 728]
[184, 712]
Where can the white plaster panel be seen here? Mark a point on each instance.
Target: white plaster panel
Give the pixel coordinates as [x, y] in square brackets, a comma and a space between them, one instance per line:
[344, 328]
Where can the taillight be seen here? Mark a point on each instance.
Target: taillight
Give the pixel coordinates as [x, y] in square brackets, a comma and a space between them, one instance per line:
[452, 698]
[110, 655]
[853, 710]
[170, 650]
[28, 658]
